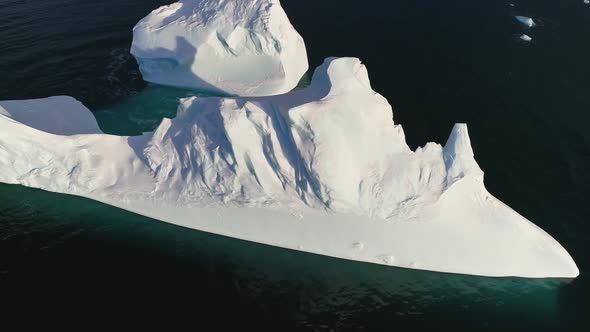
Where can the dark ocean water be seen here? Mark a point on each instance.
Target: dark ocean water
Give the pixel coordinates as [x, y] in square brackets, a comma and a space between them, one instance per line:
[73, 263]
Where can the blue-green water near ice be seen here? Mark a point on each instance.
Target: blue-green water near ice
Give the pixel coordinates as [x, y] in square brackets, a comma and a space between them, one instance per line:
[72, 263]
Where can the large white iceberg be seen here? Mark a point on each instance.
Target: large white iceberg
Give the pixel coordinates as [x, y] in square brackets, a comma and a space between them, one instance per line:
[238, 47]
[322, 170]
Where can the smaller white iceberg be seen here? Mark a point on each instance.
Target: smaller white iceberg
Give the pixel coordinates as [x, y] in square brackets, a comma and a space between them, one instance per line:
[526, 38]
[526, 21]
[238, 47]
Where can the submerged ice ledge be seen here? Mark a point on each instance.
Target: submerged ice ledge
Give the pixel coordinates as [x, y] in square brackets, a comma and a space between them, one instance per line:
[322, 170]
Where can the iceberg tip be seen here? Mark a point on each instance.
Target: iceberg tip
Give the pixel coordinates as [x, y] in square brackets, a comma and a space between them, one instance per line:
[459, 142]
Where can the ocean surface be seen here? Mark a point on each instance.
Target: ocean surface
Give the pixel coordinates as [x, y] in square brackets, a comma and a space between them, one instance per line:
[68, 262]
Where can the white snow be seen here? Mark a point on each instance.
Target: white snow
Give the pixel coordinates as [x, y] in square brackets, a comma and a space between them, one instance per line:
[526, 37]
[526, 21]
[239, 47]
[324, 170]
[60, 115]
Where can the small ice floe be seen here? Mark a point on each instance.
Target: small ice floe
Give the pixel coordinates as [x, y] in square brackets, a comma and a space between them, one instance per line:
[586, 1]
[525, 20]
[526, 38]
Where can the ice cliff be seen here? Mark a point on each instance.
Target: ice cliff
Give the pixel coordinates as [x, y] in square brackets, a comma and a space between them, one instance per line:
[323, 170]
[238, 47]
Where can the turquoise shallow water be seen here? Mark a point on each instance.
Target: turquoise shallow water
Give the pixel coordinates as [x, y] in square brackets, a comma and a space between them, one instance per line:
[71, 262]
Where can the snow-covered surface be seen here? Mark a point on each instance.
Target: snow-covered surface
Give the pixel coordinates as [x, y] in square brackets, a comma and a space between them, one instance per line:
[525, 20]
[60, 115]
[323, 170]
[526, 37]
[238, 47]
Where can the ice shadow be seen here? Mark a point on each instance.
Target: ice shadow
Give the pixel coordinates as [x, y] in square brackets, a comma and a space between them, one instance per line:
[156, 69]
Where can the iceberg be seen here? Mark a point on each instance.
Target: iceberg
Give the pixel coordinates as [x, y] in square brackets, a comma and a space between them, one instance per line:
[526, 38]
[240, 47]
[525, 20]
[323, 170]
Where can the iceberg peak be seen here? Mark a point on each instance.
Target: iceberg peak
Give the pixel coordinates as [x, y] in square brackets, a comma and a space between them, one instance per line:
[459, 142]
[337, 75]
[458, 155]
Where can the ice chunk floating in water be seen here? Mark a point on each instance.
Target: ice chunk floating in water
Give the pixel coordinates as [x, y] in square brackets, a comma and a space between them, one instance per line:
[526, 38]
[238, 47]
[526, 21]
[324, 170]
